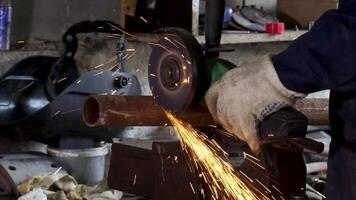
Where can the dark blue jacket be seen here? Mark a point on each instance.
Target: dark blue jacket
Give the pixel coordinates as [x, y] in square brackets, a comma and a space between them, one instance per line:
[325, 58]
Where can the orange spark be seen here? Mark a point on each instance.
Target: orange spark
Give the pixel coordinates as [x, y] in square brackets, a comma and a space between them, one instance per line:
[143, 19]
[223, 181]
[161, 46]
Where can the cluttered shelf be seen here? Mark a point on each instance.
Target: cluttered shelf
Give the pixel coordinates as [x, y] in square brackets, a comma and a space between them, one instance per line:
[244, 38]
[233, 38]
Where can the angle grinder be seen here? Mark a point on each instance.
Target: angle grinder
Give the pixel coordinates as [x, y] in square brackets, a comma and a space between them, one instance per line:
[179, 73]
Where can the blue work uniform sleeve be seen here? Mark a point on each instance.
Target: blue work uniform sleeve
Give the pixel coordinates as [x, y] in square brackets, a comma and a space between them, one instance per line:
[325, 57]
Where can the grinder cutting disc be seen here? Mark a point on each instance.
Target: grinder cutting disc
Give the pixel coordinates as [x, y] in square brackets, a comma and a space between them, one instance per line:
[176, 72]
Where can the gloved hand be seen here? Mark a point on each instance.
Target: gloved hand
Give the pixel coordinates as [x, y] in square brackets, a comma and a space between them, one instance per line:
[244, 96]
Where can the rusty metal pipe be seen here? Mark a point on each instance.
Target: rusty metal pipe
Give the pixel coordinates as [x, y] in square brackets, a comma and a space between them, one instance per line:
[112, 111]
[316, 110]
[116, 111]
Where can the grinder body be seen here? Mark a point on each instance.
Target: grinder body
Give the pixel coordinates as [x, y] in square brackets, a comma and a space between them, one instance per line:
[180, 73]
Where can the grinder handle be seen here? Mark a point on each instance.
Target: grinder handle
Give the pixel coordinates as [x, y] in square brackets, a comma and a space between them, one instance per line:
[287, 128]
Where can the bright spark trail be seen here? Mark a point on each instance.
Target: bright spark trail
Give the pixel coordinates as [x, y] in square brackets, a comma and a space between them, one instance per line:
[222, 180]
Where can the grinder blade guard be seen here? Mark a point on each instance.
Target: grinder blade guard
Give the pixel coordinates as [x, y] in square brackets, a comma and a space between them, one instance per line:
[180, 72]
[177, 71]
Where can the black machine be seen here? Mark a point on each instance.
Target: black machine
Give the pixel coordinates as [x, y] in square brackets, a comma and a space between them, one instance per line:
[41, 97]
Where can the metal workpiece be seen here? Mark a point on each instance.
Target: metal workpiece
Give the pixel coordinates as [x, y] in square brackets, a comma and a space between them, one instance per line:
[154, 169]
[120, 111]
[316, 110]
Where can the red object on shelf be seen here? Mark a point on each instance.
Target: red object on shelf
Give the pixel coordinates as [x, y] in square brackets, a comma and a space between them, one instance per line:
[275, 28]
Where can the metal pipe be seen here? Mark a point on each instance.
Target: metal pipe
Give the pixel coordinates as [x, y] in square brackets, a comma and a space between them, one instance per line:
[116, 111]
[316, 167]
[316, 110]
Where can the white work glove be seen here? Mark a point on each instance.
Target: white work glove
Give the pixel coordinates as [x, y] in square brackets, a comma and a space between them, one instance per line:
[244, 96]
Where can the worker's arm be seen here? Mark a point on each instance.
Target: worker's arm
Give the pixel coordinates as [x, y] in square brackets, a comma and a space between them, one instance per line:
[325, 57]
[347, 6]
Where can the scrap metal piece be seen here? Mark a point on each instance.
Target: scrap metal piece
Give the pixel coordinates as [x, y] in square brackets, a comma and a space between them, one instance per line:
[154, 169]
[131, 168]
[17, 167]
[242, 21]
[258, 16]
[316, 110]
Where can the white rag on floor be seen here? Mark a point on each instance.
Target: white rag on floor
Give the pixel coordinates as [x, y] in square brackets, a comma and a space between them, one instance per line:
[54, 186]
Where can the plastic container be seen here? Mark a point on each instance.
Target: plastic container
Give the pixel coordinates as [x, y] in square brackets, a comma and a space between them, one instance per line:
[87, 166]
[5, 24]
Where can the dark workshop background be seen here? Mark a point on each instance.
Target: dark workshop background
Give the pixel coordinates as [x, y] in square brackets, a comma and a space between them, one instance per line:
[38, 25]
[48, 19]
[41, 23]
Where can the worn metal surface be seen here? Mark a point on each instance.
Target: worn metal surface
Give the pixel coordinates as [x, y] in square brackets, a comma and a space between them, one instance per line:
[156, 170]
[114, 111]
[131, 168]
[316, 110]
[159, 170]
